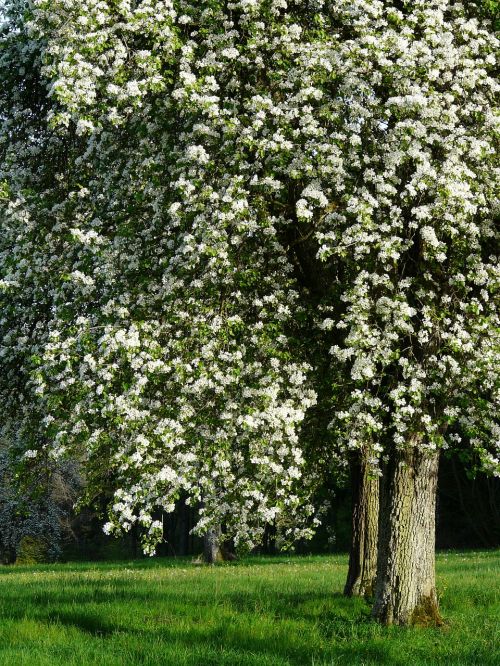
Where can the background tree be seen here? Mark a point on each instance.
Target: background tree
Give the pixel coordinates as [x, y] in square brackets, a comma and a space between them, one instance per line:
[34, 520]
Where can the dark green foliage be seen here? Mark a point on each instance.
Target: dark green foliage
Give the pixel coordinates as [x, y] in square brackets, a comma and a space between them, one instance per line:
[489, 9]
[32, 550]
[34, 519]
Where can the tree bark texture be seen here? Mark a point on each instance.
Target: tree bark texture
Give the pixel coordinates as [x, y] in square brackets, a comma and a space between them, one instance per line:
[406, 581]
[365, 509]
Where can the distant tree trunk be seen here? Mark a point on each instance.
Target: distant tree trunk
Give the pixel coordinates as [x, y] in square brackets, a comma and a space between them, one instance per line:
[184, 529]
[7, 556]
[213, 550]
[365, 509]
[269, 540]
[406, 584]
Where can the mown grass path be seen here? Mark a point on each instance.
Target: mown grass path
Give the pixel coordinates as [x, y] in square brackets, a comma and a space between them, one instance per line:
[259, 612]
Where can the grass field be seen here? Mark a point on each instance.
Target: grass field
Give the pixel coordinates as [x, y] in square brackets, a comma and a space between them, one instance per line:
[258, 612]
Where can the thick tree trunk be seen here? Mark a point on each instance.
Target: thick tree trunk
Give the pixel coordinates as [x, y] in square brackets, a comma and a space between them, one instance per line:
[406, 584]
[365, 508]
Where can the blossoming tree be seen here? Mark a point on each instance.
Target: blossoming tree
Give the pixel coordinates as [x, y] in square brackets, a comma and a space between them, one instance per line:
[153, 348]
[221, 172]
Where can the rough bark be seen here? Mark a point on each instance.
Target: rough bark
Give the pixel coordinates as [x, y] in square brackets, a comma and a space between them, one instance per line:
[406, 585]
[365, 509]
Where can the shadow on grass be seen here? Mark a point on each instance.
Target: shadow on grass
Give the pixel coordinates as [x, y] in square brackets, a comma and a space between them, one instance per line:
[111, 565]
[89, 624]
[179, 562]
[265, 622]
[192, 620]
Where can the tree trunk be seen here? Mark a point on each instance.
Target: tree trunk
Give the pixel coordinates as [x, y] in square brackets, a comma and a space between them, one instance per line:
[184, 529]
[406, 580]
[212, 551]
[365, 508]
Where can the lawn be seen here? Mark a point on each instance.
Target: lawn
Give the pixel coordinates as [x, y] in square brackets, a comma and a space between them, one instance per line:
[257, 612]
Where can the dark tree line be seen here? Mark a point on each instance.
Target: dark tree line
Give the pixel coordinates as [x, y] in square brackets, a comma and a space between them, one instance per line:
[45, 527]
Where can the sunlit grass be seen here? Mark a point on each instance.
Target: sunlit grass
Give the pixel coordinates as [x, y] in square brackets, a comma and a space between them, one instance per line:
[265, 612]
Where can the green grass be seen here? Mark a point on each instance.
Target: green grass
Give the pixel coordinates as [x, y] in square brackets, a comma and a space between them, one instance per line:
[258, 612]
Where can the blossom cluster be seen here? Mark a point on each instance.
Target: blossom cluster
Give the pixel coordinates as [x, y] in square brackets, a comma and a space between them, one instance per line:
[191, 182]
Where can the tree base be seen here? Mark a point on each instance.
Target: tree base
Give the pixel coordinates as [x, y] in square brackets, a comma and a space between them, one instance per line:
[406, 580]
[214, 550]
[362, 571]
[427, 614]
[360, 589]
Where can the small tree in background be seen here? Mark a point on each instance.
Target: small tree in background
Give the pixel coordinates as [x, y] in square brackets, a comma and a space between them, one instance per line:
[35, 520]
